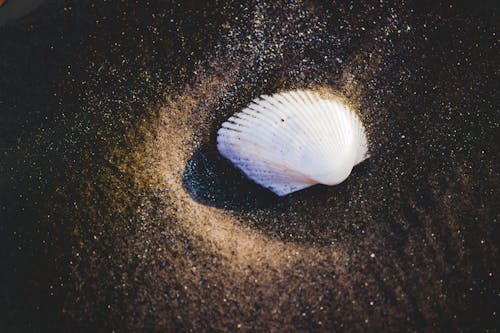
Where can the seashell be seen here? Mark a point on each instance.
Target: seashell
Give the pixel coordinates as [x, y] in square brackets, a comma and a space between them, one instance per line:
[292, 140]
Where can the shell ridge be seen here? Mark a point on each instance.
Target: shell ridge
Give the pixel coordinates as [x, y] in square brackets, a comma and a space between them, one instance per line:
[257, 147]
[292, 140]
[287, 127]
[285, 136]
[266, 147]
[340, 131]
[302, 112]
[330, 132]
[267, 173]
[290, 127]
[310, 124]
[321, 121]
[298, 121]
[251, 125]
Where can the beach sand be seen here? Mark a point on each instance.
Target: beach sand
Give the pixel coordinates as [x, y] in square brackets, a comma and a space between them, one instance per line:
[118, 213]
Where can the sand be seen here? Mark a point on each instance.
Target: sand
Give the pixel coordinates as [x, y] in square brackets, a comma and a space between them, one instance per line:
[118, 214]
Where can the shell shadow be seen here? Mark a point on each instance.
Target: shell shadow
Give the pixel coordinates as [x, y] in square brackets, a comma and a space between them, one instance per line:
[212, 180]
[318, 214]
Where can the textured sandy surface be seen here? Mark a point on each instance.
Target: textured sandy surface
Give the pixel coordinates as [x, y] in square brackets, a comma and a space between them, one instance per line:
[118, 214]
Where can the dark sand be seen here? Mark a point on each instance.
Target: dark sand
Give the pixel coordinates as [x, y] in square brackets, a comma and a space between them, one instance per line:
[11, 10]
[118, 214]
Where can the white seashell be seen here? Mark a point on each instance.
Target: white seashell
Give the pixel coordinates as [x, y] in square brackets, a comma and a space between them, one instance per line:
[292, 140]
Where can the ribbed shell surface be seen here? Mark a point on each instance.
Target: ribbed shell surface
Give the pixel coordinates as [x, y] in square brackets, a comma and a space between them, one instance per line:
[293, 140]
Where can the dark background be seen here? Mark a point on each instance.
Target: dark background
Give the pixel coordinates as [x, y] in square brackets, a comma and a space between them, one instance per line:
[91, 239]
[12, 10]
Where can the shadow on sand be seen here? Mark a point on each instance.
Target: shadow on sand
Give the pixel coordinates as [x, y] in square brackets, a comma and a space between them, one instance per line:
[212, 180]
